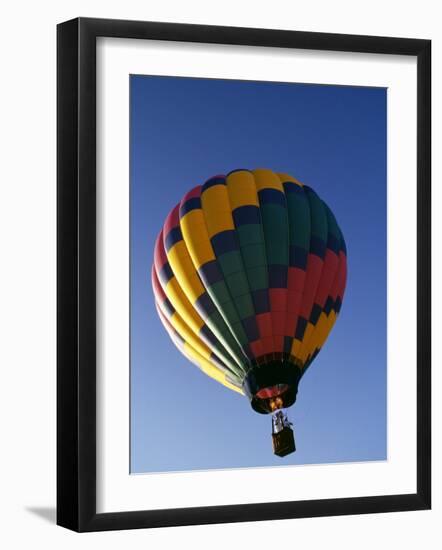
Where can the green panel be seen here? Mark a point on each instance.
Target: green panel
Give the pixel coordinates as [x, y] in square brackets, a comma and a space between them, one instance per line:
[227, 339]
[230, 262]
[222, 347]
[215, 320]
[277, 253]
[258, 278]
[226, 332]
[244, 305]
[228, 310]
[274, 218]
[218, 326]
[219, 292]
[298, 209]
[333, 227]
[317, 215]
[254, 255]
[250, 233]
[223, 356]
[237, 284]
[238, 331]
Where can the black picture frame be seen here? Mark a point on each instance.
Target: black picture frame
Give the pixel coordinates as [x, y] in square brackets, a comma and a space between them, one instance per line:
[76, 274]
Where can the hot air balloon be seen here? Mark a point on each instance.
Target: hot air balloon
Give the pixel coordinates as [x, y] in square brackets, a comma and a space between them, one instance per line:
[249, 275]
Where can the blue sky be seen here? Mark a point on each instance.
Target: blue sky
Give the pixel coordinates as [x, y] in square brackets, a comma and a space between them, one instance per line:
[333, 138]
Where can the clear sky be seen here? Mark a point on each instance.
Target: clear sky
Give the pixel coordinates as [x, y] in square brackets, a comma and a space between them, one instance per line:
[333, 138]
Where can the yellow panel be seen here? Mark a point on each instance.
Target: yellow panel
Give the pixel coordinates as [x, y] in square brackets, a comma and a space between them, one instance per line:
[200, 250]
[330, 322]
[194, 349]
[184, 271]
[318, 337]
[183, 330]
[191, 321]
[182, 305]
[242, 190]
[320, 334]
[296, 346]
[216, 208]
[287, 177]
[266, 179]
[196, 285]
[303, 352]
[324, 331]
[193, 222]
[196, 238]
[191, 286]
[178, 250]
[209, 369]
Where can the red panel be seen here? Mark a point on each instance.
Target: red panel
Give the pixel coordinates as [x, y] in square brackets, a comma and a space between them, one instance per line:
[278, 344]
[267, 344]
[314, 268]
[278, 322]
[290, 324]
[296, 279]
[160, 296]
[264, 321]
[342, 275]
[257, 348]
[278, 299]
[160, 257]
[294, 299]
[329, 270]
[172, 220]
[337, 282]
[278, 311]
[195, 192]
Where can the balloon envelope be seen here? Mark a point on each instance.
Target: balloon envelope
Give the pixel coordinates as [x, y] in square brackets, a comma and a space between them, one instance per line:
[249, 275]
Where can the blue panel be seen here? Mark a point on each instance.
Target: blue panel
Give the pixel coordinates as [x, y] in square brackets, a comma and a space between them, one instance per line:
[174, 236]
[165, 273]
[317, 246]
[261, 300]
[343, 246]
[204, 305]
[217, 180]
[223, 242]
[290, 187]
[214, 359]
[300, 328]
[333, 243]
[238, 170]
[210, 273]
[277, 276]
[288, 344]
[208, 336]
[328, 305]
[246, 215]
[251, 328]
[298, 257]
[338, 304]
[191, 204]
[168, 307]
[271, 196]
[315, 313]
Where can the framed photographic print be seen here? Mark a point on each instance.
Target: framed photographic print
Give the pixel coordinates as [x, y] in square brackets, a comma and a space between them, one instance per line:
[243, 274]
